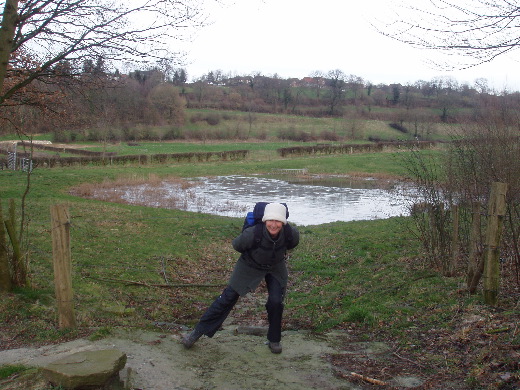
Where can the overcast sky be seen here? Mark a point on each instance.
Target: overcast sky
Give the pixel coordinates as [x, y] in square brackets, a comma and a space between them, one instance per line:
[293, 38]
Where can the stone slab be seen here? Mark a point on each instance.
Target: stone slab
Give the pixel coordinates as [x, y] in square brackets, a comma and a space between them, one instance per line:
[85, 369]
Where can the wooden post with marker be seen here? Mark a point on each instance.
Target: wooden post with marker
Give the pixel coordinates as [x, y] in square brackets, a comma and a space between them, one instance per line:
[60, 221]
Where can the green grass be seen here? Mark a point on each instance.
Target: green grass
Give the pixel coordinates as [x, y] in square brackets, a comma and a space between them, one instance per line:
[7, 371]
[356, 268]
[361, 277]
[269, 127]
[367, 276]
[188, 147]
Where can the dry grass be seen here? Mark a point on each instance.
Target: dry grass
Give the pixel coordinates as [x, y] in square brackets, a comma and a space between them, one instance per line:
[152, 191]
[87, 189]
[150, 188]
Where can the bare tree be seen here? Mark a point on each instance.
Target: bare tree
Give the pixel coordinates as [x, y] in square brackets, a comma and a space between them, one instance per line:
[479, 30]
[318, 79]
[39, 39]
[166, 100]
[355, 84]
[49, 32]
[337, 85]
[482, 85]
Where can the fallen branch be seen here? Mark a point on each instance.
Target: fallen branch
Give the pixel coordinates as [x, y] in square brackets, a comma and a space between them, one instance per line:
[163, 271]
[144, 284]
[408, 360]
[500, 330]
[368, 379]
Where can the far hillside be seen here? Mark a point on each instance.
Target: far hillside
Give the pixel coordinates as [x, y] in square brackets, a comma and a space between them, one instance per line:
[210, 126]
[334, 107]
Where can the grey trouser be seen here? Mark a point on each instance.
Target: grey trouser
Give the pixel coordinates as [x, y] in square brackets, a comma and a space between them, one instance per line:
[216, 314]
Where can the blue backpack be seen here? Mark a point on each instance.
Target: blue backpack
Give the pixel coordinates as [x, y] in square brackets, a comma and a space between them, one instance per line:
[254, 218]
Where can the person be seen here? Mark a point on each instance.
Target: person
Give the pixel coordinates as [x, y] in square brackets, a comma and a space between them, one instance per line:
[265, 260]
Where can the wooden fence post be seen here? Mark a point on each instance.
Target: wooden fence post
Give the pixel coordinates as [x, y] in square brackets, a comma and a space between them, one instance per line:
[5, 274]
[60, 223]
[475, 264]
[496, 212]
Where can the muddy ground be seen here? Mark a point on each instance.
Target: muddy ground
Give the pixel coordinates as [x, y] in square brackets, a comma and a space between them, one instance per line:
[237, 358]
[229, 361]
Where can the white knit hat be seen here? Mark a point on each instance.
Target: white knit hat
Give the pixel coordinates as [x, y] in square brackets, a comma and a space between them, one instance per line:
[275, 211]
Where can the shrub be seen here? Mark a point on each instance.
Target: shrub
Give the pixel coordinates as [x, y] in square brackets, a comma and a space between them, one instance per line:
[295, 135]
[94, 135]
[329, 135]
[262, 135]
[60, 136]
[150, 133]
[76, 137]
[197, 117]
[398, 127]
[114, 134]
[173, 132]
[213, 119]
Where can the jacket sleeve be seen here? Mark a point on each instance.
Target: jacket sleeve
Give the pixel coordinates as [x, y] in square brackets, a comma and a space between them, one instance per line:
[296, 237]
[244, 241]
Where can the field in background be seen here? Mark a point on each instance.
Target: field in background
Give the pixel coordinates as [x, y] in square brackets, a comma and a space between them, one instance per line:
[367, 278]
[279, 130]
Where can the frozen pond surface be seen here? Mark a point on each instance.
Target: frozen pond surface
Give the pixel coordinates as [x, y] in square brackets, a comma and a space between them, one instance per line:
[308, 204]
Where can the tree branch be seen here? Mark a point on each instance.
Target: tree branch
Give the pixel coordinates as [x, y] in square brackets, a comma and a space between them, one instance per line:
[51, 31]
[476, 29]
[145, 284]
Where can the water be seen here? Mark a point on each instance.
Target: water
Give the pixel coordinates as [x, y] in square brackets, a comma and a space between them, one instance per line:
[308, 204]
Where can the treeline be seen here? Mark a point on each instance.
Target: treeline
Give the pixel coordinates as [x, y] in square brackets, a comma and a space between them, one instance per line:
[93, 104]
[442, 99]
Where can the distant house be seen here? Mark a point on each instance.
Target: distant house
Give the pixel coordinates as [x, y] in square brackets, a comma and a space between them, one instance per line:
[310, 82]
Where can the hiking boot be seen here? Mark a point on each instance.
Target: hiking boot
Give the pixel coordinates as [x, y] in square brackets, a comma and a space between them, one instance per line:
[275, 347]
[191, 338]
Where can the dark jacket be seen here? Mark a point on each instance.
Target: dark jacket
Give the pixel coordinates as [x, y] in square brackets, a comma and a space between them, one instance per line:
[257, 260]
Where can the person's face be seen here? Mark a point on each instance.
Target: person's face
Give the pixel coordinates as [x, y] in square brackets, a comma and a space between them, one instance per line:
[273, 227]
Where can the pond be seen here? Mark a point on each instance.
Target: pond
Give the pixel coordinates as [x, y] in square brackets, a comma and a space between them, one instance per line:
[309, 204]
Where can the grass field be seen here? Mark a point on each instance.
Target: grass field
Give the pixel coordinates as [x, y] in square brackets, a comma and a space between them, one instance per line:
[366, 276]
[134, 235]
[254, 129]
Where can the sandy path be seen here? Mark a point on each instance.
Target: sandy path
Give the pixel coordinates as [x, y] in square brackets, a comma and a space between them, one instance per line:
[229, 361]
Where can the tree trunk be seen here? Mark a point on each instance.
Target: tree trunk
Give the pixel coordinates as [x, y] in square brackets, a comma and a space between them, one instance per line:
[9, 19]
[19, 275]
[5, 275]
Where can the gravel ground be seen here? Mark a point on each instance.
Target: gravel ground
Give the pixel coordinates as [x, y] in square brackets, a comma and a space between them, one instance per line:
[230, 360]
